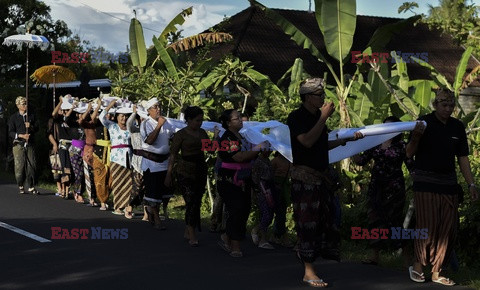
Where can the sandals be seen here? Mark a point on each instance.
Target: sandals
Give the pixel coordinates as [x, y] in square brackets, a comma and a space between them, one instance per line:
[79, 198]
[129, 215]
[316, 283]
[414, 279]
[236, 254]
[33, 191]
[444, 281]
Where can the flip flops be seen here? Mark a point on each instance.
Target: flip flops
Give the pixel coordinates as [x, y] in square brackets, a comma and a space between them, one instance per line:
[316, 283]
[444, 281]
[236, 254]
[33, 191]
[413, 278]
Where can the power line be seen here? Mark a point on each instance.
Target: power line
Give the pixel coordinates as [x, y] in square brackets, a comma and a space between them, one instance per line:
[118, 18]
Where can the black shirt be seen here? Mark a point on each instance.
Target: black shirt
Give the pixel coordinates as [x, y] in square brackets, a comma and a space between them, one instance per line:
[300, 122]
[68, 128]
[436, 152]
[16, 126]
[102, 134]
[439, 145]
[232, 147]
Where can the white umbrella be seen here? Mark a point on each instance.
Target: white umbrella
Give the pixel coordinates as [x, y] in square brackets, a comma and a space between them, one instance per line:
[30, 40]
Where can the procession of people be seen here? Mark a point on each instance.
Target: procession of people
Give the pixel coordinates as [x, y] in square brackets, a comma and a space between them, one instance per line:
[111, 152]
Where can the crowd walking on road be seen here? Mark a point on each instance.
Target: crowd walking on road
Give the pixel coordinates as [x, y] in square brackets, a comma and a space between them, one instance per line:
[120, 156]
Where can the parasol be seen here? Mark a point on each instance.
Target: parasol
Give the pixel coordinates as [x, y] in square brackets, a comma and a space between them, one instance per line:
[52, 74]
[30, 40]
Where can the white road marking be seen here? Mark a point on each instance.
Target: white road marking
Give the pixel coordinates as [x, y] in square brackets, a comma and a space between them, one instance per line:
[25, 233]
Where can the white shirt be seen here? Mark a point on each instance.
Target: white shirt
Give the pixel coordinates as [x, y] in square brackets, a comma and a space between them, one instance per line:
[159, 146]
[117, 137]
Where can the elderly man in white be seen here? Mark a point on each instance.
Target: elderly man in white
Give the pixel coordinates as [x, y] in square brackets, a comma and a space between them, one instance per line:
[156, 132]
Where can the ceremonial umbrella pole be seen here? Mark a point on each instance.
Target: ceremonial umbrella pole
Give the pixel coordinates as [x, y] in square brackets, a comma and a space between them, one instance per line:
[30, 40]
[52, 74]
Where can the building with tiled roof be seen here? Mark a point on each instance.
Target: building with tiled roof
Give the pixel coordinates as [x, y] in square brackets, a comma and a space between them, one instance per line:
[259, 40]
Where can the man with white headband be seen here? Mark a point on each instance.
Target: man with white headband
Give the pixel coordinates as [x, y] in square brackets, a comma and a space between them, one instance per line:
[155, 132]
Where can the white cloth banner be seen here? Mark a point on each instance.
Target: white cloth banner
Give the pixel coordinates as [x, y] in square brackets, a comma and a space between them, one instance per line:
[370, 130]
[374, 135]
[278, 135]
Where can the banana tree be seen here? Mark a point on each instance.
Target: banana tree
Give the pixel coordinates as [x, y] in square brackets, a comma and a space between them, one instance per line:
[337, 22]
[236, 73]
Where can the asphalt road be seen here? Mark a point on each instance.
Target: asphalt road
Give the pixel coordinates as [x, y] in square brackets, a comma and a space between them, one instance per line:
[148, 258]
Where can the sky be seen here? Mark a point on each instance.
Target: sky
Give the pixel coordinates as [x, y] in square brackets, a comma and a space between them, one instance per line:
[106, 22]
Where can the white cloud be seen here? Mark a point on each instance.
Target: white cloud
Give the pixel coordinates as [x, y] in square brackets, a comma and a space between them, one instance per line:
[93, 24]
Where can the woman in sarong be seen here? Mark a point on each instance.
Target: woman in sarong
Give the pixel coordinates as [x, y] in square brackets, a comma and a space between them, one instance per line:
[119, 158]
[234, 180]
[191, 169]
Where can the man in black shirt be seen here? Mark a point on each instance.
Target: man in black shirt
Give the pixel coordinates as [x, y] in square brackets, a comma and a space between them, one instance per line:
[21, 129]
[436, 191]
[313, 201]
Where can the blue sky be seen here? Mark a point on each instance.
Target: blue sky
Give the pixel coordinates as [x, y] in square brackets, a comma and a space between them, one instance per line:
[105, 23]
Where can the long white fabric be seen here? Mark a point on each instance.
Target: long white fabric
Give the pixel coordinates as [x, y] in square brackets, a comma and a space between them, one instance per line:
[374, 135]
[278, 135]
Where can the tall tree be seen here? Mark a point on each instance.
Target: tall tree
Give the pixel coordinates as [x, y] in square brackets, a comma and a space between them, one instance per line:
[458, 18]
[17, 17]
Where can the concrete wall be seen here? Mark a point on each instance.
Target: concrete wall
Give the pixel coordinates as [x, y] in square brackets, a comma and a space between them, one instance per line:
[468, 98]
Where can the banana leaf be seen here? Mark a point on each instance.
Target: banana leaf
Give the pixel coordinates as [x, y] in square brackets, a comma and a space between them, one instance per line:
[440, 79]
[461, 68]
[363, 104]
[165, 57]
[384, 34]
[423, 93]
[337, 19]
[138, 50]
[401, 71]
[178, 20]
[296, 35]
